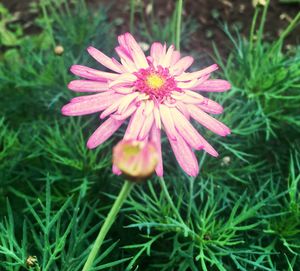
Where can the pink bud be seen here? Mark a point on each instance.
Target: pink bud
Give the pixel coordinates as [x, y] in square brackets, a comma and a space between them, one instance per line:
[136, 159]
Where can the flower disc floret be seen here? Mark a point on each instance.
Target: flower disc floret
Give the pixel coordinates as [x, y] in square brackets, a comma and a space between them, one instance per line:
[155, 82]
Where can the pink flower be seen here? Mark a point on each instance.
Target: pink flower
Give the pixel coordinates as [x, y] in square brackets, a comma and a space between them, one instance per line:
[155, 93]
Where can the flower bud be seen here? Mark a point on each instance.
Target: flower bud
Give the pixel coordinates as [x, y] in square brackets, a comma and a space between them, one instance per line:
[149, 8]
[31, 261]
[145, 46]
[135, 159]
[59, 50]
[225, 161]
[259, 3]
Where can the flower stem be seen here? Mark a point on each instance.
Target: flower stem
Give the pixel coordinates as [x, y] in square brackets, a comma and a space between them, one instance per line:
[178, 24]
[169, 199]
[131, 20]
[111, 217]
[295, 22]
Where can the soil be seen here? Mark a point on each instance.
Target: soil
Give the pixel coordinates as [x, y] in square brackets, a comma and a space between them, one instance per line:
[210, 14]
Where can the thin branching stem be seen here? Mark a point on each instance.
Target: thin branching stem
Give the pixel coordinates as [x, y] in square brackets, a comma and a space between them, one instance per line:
[169, 199]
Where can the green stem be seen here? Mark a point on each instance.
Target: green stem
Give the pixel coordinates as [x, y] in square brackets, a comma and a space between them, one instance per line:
[253, 28]
[191, 198]
[178, 23]
[111, 217]
[286, 32]
[290, 27]
[132, 11]
[262, 22]
[169, 199]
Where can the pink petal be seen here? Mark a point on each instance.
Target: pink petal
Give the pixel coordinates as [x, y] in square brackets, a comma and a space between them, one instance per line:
[182, 108]
[111, 109]
[105, 131]
[116, 62]
[126, 61]
[166, 60]
[201, 80]
[123, 90]
[123, 44]
[92, 74]
[216, 85]
[178, 95]
[175, 58]
[105, 60]
[149, 107]
[149, 59]
[127, 113]
[184, 155]
[136, 51]
[89, 106]
[146, 127]
[142, 97]
[208, 121]
[87, 86]
[187, 99]
[164, 49]
[126, 101]
[195, 95]
[196, 75]
[98, 96]
[186, 130]
[182, 65]
[135, 124]
[187, 85]
[116, 170]
[156, 52]
[156, 140]
[208, 148]
[210, 106]
[157, 118]
[123, 80]
[167, 121]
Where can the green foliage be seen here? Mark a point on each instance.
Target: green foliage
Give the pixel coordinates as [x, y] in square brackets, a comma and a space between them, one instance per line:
[9, 151]
[33, 87]
[35, 73]
[266, 76]
[241, 213]
[10, 32]
[75, 28]
[289, 1]
[212, 230]
[56, 234]
[161, 30]
[155, 28]
[287, 225]
[58, 149]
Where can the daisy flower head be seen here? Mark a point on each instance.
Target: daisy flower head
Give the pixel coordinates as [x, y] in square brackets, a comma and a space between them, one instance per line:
[154, 93]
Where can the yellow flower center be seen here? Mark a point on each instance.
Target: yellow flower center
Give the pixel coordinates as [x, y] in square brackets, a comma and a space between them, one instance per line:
[155, 81]
[131, 150]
